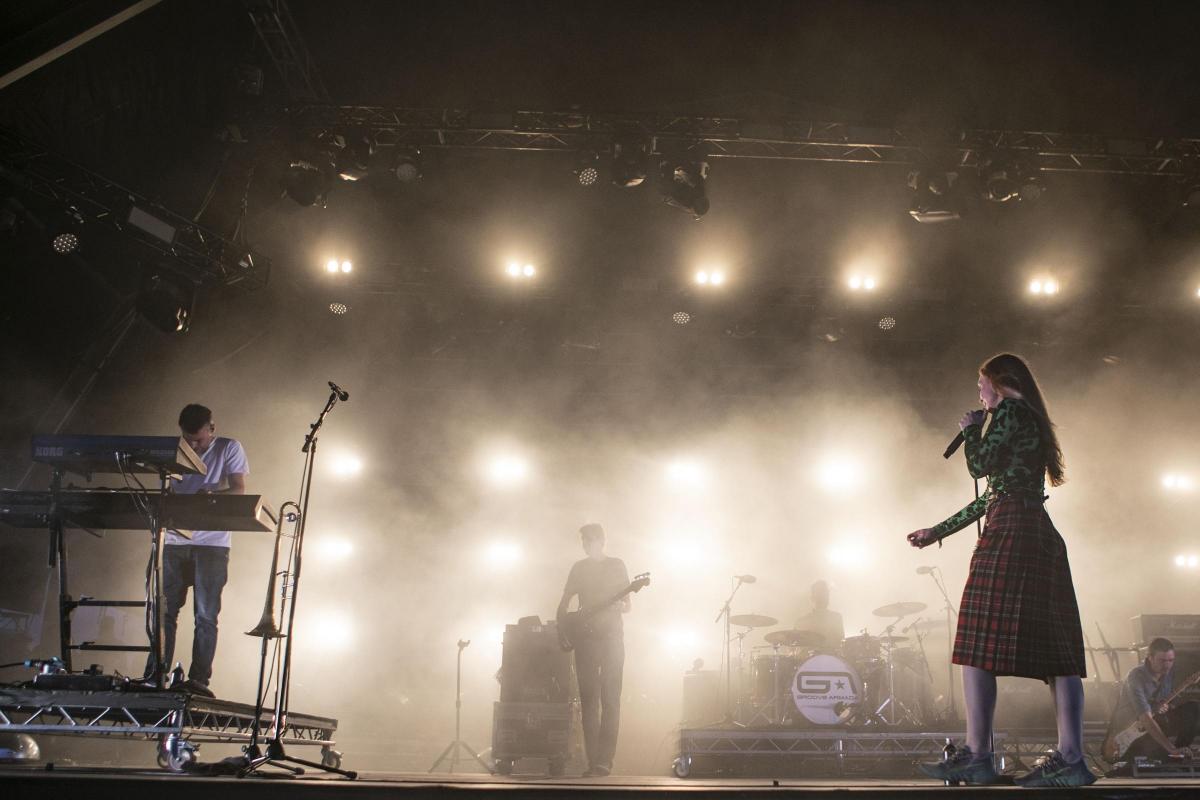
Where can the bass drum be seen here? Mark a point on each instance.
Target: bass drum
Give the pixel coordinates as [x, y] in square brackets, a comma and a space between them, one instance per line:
[823, 687]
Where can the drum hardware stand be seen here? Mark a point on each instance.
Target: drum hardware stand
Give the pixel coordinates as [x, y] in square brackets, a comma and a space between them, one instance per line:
[458, 743]
[951, 615]
[275, 754]
[724, 613]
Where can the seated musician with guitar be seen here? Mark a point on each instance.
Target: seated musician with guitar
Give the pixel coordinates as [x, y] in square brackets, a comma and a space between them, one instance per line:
[1146, 719]
[596, 634]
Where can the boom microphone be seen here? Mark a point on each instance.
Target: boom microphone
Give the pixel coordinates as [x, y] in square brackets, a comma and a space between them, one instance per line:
[924, 570]
[746, 578]
[343, 395]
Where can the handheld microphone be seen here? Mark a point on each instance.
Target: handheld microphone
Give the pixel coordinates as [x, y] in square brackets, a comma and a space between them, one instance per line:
[746, 578]
[957, 441]
[343, 395]
[925, 570]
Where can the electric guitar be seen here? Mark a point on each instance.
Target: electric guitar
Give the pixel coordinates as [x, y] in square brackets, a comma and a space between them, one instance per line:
[1116, 743]
[574, 625]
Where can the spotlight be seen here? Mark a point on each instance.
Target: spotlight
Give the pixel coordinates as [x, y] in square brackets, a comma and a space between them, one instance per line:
[355, 155]
[702, 278]
[838, 474]
[506, 471]
[65, 243]
[528, 271]
[1176, 482]
[629, 163]
[933, 196]
[334, 631]
[1044, 286]
[307, 183]
[686, 474]
[346, 466]
[887, 323]
[680, 639]
[502, 555]
[1181, 561]
[165, 300]
[682, 183]
[406, 164]
[681, 318]
[1193, 561]
[717, 278]
[862, 283]
[1006, 178]
[587, 168]
[847, 554]
[331, 266]
[334, 549]
[346, 267]
[339, 309]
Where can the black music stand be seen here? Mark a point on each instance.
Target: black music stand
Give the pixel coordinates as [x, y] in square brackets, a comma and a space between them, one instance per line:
[276, 755]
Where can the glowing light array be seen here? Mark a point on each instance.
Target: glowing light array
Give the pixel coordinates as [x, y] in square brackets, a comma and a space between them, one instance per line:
[862, 283]
[516, 270]
[1188, 561]
[65, 243]
[839, 474]
[713, 277]
[503, 555]
[346, 465]
[506, 471]
[1044, 286]
[1176, 482]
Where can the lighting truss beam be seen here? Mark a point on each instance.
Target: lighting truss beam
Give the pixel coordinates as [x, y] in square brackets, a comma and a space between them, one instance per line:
[198, 252]
[281, 37]
[728, 137]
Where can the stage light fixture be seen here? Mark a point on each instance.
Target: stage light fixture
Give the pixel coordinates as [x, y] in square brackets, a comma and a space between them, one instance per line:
[686, 474]
[339, 309]
[1177, 482]
[165, 299]
[346, 465]
[838, 474]
[307, 183]
[629, 162]
[1044, 286]
[587, 168]
[407, 163]
[65, 243]
[503, 555]
[334, 548]
[528, 271]
[331, 266]
[934, 198]
[332, 631]
[507, 471]
[347, 267]
[847, 554]
[680, 639]
[683, 182]
[681, 318]
[355, 154]
[1006, 178]
[887, 323]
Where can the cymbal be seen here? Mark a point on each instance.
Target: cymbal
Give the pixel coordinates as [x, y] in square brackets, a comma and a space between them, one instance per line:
[795, 638]
[930, 625]
[753, 621]
[902, 609]
[891, 639]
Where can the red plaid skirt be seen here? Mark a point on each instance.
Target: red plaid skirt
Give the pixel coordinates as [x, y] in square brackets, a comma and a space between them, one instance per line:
[1018, 614]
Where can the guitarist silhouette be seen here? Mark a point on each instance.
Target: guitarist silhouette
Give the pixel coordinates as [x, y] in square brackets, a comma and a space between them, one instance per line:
[599, 645]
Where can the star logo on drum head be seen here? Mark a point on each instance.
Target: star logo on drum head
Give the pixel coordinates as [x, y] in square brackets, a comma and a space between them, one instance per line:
[841, 684]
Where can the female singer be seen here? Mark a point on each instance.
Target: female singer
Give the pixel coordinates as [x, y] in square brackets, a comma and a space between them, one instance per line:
[1018, 614]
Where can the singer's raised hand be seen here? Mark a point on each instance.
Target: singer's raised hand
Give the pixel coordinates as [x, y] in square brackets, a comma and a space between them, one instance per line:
[921, 538]
[972, 418]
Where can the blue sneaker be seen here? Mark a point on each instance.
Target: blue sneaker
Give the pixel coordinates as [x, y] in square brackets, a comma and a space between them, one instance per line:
[1053, 770]
[963, 766]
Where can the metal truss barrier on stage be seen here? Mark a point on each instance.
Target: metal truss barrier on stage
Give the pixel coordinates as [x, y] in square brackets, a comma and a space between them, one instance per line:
[708, 751]
[201, 254]
[176, 719]
[733, 137]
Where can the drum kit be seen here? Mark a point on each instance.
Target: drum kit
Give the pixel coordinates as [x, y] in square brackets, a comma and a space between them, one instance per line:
[798, 678]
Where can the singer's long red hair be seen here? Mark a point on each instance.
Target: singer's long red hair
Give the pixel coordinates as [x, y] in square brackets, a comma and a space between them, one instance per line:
[1011, 372]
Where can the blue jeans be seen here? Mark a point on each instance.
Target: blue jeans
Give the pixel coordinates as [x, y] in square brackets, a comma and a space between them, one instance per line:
[205, 569]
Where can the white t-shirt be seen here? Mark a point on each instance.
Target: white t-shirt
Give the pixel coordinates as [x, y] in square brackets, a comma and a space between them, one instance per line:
[224, 457]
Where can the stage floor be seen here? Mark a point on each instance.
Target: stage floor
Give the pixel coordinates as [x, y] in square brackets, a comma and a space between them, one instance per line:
[31, 782]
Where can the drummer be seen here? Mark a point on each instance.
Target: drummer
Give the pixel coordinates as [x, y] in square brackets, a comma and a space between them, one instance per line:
[821, 620]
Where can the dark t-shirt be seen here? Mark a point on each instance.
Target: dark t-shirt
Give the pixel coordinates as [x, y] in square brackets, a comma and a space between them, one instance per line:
[596, 582]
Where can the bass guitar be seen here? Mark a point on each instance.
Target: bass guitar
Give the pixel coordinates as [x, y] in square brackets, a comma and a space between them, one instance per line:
[574, 625]
[1117, 742]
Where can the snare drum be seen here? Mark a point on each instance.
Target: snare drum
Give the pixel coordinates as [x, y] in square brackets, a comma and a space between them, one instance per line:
[823, 687]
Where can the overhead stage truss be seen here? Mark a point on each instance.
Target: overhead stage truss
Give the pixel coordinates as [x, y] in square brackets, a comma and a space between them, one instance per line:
[733, 137]
[197, 252]
[175, 719]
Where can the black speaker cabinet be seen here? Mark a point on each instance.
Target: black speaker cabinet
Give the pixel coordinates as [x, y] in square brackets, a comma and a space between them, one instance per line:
[534, 668]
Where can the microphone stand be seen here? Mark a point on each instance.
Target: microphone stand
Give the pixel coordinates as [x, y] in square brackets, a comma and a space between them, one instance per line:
[724, 612]
[951, 613]
[275, 750]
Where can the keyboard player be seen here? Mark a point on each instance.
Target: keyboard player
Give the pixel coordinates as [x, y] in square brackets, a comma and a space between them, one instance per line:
[199, 560]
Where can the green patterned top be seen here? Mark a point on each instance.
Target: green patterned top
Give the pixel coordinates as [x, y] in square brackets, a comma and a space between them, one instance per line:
[1010, 456]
